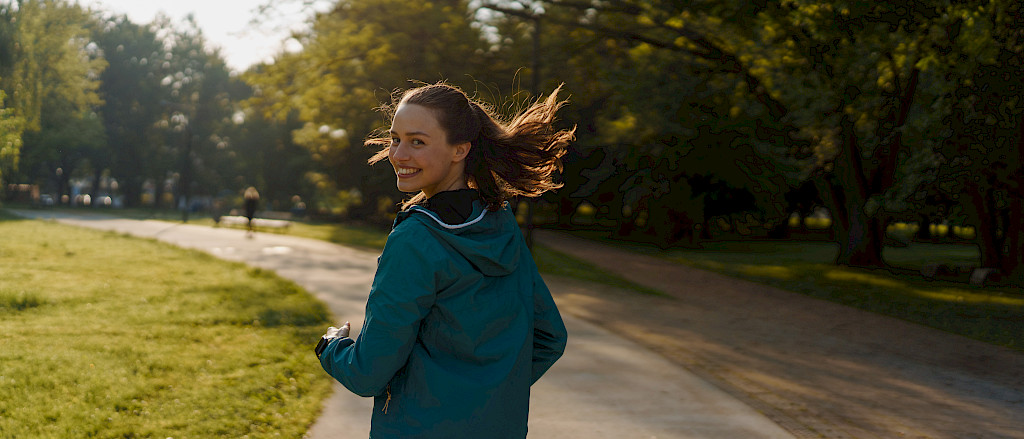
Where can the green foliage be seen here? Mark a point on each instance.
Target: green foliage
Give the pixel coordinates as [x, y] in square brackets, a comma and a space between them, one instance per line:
[554, 262]
[847, 95]
[51, 85]
[354, 56]
[111, 336]
[53, 68]
[132, 94]
[265, 155]
[11, 128]
[199, 109]
[686, 111]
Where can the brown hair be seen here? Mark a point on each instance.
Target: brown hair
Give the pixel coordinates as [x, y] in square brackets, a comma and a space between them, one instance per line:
[506, 159]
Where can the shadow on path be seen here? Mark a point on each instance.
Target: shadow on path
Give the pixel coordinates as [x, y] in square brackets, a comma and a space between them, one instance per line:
[814, 367]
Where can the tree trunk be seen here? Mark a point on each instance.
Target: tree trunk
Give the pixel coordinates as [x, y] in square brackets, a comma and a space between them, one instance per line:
[97, 179]
[924, 232]
[780, 230]
[158, 195]
[860, 243]
[859, 235]
[705, 229]
[131, 190]
[660, 225]
[566, 208]
[1013, 263]
[981, 209]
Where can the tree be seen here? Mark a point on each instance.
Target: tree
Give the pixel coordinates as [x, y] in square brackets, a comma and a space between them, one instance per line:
[982, 98]
[266, 157]
[131, 110]
[52, 84]
[352, 58]
[827, 89]
[11, 128]
[11, 125]
[200, 108]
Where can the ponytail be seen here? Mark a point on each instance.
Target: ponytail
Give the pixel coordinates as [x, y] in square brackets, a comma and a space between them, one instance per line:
[519, 158]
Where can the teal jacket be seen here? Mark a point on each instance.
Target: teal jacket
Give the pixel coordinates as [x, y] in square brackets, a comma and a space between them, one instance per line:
[458, 326]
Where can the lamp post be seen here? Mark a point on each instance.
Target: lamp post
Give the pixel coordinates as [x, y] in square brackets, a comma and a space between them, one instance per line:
[186, 172]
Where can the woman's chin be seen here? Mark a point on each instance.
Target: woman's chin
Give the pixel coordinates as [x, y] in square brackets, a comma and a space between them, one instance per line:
[408, 188]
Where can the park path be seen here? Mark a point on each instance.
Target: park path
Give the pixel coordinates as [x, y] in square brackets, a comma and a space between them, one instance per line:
[814, 367]
[604, 386]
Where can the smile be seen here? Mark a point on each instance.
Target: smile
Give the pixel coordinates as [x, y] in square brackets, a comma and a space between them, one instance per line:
[406, 172]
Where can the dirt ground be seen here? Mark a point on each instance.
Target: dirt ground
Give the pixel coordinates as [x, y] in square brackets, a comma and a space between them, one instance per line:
[816, 368]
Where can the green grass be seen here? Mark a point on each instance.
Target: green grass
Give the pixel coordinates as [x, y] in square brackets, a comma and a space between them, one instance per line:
[365, 237]
[110, 336]
[554, 262]
[990, 314]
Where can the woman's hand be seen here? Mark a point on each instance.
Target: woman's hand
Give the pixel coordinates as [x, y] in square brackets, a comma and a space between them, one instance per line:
[333, 332]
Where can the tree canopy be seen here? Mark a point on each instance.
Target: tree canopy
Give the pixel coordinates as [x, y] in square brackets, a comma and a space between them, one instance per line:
[690, 115]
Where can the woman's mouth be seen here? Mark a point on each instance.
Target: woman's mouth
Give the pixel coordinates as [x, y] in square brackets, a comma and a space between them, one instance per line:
[406, 172]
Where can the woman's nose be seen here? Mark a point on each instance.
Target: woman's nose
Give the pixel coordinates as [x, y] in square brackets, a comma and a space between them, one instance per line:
[398, 152]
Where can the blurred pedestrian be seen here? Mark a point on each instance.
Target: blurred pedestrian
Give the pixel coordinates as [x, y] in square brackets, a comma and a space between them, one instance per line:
[459, 323]
[252, 201]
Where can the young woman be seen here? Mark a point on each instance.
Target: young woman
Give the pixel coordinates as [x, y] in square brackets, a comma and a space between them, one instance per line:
[252, 201]
[459, 323]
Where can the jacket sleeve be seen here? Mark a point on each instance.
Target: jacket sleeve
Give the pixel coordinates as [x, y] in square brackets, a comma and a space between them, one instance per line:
[401, 296]
[549, 334]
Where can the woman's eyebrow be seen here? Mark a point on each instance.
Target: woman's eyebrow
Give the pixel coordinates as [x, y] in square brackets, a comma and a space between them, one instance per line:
[412, 133]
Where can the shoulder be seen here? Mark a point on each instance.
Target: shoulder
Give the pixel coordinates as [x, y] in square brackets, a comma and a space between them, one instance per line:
[410, 232]
[411, 254]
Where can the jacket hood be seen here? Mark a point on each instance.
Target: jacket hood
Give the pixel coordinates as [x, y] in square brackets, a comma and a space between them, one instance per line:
[485, 239]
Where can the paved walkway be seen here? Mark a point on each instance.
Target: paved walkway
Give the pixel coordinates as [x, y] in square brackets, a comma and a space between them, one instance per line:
[817, 368]
[604, 386]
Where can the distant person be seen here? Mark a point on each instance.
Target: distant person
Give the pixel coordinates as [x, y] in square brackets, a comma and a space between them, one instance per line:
[298, 207]
[252, 201]
[459, 323]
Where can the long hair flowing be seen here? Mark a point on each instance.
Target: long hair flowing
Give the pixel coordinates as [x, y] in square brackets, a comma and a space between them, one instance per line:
[517, 158]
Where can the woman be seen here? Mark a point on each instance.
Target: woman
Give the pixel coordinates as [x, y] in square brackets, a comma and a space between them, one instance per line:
[459, 323]
[252, 200]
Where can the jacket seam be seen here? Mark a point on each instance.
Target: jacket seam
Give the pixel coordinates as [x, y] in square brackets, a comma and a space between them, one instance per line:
[446, 225]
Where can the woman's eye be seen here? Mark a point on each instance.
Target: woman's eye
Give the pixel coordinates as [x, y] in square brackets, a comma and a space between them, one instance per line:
[395, 141]
[417, 142]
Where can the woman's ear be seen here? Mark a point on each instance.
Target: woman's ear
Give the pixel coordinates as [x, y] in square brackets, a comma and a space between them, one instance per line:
[461, 151]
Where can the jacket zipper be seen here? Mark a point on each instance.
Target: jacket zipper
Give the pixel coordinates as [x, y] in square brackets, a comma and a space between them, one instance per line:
[388, 401]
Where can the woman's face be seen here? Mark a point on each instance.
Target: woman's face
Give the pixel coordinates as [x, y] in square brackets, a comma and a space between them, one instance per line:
[421, 155]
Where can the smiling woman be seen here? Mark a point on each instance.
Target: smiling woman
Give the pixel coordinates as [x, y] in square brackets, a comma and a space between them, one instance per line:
[459, 324]
[499, 159]
[421, 155]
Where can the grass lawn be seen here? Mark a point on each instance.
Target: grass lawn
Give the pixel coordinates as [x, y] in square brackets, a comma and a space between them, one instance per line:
[994, 315]
[111, 336]
[551, 261]
[364, 237]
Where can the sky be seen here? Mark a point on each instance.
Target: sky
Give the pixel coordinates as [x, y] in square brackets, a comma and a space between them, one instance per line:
[225, 24]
